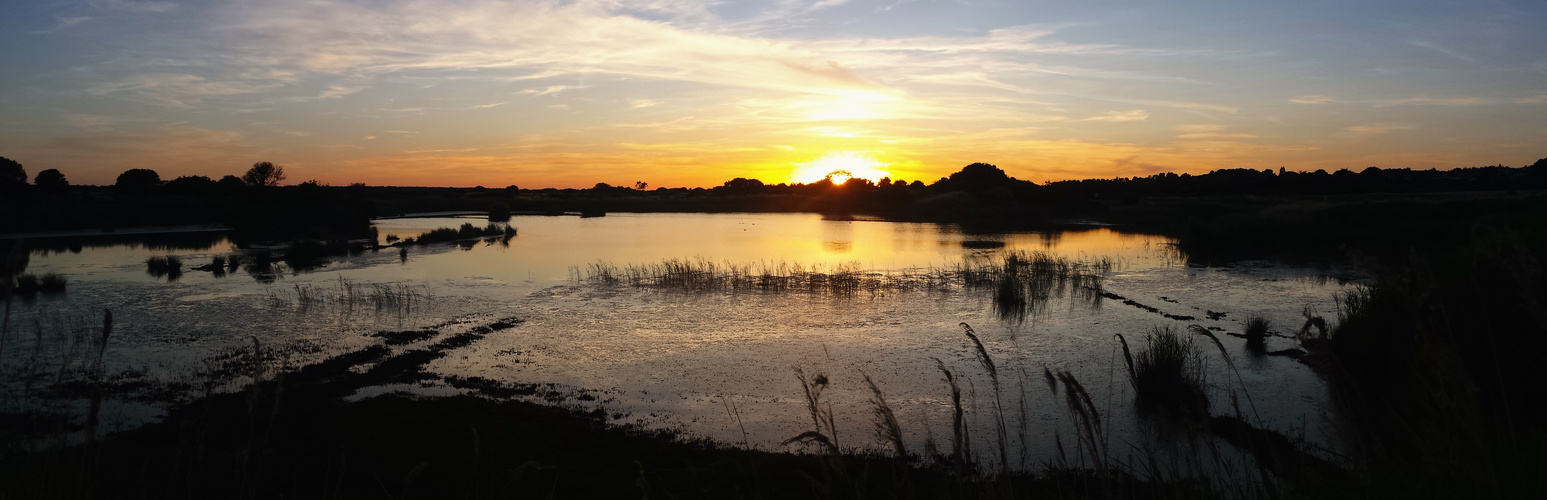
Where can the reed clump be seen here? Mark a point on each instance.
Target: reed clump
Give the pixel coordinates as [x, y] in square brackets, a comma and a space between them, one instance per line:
[169, 267]
[1024, 283]
[704, 275]
[1256, 334]
[1168, 375]
[27, 285]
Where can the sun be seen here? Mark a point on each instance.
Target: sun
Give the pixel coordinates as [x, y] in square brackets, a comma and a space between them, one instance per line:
[839, 166]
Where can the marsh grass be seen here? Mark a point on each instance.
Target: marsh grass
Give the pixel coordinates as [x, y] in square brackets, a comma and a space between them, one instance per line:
[1256, 333]
[824, 430]
[703, 275]
[346, 297]
[1023, 283]
[1169, 374]
[28, 285]
[169, 267]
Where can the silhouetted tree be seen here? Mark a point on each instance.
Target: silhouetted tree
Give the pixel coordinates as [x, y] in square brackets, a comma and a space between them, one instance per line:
[264, 174]
[975, 177]
[231, 182]
[138, 180]
[641, 185]
[12, 176]
[189, 185]
[742, 184]
[51, 180]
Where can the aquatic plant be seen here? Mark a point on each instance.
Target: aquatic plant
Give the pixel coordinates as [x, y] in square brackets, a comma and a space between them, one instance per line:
[1168, 374]
[168, 266]
[704, 275]
[1024, 282]
[1256, 333]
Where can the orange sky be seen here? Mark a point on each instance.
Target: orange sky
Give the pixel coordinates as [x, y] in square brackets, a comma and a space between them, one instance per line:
[693, 93]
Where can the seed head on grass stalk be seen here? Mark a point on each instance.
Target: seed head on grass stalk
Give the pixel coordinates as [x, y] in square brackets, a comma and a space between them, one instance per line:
[887, 428]
[958, 430]
[821, 420]
[993, 376]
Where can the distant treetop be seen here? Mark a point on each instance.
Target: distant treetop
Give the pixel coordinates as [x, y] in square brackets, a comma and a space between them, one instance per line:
[138, 179]
[51, 180]
[264, 174]
[12, 175]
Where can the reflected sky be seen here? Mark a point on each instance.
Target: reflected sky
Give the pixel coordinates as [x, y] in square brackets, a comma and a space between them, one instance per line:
[547, 247]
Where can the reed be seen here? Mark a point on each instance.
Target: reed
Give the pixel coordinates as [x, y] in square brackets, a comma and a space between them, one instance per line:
[887, 428]
[825, 430]
[1168, 374]
[1090, 436]
[705, 276]
[1023, 283]
[960, 462]
[1001, 432]
[168, 266]
[1256, 333]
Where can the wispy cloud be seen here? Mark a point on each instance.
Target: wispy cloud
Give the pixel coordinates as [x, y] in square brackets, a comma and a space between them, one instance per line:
[1311, 99]
[131, 6]
[1216, 135]
[1536, 99]
[1376, 129]
[1120, 116]
[551, 89]
[175, 90]
[1437, 101]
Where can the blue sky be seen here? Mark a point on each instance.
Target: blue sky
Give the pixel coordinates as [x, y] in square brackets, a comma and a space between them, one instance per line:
[688, 93]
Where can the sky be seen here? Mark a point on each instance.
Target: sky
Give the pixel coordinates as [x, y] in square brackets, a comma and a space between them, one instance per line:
[694, 93]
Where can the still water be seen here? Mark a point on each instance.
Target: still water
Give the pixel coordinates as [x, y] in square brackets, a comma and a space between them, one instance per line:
[717, 363]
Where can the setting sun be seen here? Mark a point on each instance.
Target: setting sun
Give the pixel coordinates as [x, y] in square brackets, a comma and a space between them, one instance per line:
[840, 166]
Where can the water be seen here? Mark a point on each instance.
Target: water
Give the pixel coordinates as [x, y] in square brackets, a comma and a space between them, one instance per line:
[718, 363]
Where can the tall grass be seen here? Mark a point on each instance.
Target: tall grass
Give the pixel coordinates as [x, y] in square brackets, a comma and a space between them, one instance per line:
[346, 297]
[1256, 333]
[824, 429]
[704, 275]
[888, 430]
[1022, 283]
[1168, 375]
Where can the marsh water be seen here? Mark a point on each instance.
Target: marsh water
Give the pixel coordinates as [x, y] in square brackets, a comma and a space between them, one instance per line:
[718, 361]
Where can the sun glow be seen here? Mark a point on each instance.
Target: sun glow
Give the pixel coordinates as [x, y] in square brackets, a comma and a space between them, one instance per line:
[839, 166]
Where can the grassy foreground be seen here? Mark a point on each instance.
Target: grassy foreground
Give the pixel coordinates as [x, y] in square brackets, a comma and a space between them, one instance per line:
[294, 435]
